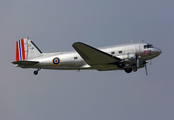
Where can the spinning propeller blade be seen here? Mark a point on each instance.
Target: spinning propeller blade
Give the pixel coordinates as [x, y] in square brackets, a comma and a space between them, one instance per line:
[137, 63]
[137, 58]
[146, 69]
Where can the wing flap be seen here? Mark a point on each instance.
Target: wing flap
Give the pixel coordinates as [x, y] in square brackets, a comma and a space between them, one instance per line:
[93, 56]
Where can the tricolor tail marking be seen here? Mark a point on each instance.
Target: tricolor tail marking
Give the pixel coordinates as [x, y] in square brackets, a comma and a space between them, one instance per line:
[20, 50]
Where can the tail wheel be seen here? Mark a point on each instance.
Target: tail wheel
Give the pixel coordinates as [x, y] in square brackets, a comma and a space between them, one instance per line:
[35, 72]
[128, 70]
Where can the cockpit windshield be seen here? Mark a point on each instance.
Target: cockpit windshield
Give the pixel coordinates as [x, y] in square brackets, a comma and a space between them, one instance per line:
[148, 46]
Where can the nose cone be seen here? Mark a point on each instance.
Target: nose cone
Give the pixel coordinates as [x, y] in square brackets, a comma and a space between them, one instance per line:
[158, 51]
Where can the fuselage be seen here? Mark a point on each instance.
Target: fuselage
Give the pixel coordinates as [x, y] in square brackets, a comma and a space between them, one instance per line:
[128, 53]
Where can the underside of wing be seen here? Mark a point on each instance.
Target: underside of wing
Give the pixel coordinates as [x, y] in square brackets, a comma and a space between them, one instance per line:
[93, 56]
[25, 62]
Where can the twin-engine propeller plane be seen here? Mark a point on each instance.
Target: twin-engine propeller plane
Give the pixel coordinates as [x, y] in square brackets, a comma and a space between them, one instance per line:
[127, 57]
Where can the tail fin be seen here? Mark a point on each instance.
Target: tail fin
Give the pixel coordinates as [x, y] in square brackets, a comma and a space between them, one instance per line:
[26, 49]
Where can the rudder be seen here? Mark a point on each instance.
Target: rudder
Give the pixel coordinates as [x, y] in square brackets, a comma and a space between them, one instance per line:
[26, 49]
[21, 50]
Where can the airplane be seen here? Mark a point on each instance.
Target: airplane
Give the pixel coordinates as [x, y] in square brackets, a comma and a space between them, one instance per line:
[127, 57]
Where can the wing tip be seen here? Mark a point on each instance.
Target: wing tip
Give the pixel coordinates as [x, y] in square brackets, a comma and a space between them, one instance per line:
[77, 43]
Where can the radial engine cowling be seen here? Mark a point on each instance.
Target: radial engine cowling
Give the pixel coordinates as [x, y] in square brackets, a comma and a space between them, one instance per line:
[128, 57]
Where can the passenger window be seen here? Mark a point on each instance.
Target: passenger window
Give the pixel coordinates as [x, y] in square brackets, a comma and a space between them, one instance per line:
[75, 58]
[112, 52]
[119, 51]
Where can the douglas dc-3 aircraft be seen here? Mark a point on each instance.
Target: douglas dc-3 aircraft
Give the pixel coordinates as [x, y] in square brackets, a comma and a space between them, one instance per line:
[127, 57]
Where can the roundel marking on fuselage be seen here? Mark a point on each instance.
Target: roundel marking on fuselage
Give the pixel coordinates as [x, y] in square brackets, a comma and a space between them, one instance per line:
[56, 61]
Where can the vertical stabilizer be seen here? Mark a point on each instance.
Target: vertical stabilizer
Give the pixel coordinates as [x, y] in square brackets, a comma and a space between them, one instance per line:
[33, 50]
[21, 50]
[26, 49]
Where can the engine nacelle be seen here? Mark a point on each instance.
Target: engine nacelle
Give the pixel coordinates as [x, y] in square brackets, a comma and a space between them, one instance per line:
[128, 57]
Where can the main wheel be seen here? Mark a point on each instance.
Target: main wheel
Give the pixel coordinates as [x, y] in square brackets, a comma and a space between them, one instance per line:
[128, 70]
[35, 72]
[120, 65]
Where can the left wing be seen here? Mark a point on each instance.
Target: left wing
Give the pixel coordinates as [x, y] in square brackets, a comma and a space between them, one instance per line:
[93, 56]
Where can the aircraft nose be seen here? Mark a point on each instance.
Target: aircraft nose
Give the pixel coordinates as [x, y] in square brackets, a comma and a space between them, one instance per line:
[159, 51]
[156, 51]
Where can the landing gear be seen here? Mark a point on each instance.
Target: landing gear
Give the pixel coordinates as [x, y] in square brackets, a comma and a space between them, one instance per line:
[120, 65]
[128, 70]
[36, 71]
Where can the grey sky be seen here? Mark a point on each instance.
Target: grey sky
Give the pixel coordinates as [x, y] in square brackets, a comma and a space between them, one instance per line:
[55, 25]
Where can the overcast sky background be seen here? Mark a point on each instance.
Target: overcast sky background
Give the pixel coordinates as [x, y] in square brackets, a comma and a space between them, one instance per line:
[55, 25]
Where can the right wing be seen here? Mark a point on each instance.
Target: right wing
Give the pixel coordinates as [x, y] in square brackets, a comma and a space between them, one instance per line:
[93, 56]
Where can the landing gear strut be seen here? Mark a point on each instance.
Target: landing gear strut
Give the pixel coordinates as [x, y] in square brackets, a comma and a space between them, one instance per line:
[36, 71]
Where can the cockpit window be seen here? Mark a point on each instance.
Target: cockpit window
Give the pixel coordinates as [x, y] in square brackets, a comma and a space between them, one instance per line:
[148, 46]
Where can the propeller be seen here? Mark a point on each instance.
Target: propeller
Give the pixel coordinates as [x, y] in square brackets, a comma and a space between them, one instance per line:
[150, 62]
[138, 63]
[145, 65]
[146, 69]
[137, 58]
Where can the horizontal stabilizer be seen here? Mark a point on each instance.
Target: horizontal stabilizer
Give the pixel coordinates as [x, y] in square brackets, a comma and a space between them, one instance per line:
[25, 62]
[93, 56]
